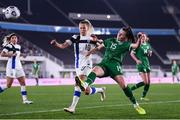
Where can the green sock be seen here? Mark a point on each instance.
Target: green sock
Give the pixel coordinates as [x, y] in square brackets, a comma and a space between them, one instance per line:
[129, 94]
[146, 88]
[91, 78]
[140, 84]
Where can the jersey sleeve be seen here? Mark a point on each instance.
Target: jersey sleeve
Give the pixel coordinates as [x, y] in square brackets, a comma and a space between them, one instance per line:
[128, 46]
[105, 42]
[177, 68]
[7, 48]
[150, 47]
[69, 41]
[73, 39]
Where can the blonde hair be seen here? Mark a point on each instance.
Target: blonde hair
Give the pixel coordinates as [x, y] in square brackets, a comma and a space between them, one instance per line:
[90, 29]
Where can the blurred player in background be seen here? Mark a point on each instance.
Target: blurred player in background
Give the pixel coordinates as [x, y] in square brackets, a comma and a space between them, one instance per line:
[36, 71]
[14, 67]
[140, 56]
[175, 71]
[83, 65]
[111, 65]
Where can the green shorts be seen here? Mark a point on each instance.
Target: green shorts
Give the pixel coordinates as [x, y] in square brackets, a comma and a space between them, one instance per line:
[174, 73]
[143, 69]
[111, 68]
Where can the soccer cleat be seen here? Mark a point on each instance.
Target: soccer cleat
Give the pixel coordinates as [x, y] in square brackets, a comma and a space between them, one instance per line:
[69, 110]
[140, 110]
[81, 83]
[144, 99]
[103, 95]
[27, 102]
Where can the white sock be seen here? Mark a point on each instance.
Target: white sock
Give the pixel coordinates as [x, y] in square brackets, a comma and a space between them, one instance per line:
[94, 90]
[23, 93]
[136, 105]
[76, 97]
[98, 90]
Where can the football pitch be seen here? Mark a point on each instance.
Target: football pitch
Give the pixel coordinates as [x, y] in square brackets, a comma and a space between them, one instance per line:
[49, 103]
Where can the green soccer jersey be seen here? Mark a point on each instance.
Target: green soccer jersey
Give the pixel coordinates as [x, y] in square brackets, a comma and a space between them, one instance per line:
[115, 50]
[142, 54]
[36, 68]
[175, 69]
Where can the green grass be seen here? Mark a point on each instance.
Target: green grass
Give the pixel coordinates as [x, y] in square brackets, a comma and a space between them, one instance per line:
[49, 103]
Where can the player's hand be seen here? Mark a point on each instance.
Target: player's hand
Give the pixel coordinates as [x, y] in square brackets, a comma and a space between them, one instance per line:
[88, 54]
[149, 53]
[23, 55]
[53, 42]
[138, 62]
[94, 38]
[11, 54]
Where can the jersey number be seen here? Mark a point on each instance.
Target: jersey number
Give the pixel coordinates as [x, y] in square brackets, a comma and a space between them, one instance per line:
[118, 68]
[88, 47]
[113, 46]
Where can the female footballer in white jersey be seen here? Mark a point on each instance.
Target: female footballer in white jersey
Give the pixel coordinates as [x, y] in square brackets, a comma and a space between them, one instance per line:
[14, 67]
[82, 44]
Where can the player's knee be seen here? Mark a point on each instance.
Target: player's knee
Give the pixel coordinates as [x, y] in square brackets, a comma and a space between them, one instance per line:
[95, 69]
[8, 85]
[123, 86]
[87, 91]
[22, 84]
[146, 82]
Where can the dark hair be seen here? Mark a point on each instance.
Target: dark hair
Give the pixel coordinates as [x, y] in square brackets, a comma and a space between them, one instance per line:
[129, 33]
[10, 35]
[139, 35]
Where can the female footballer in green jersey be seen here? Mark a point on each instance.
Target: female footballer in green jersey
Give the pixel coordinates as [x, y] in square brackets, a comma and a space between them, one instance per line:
[175, 71]
[140, 56]
[36, 71]
[111, 65]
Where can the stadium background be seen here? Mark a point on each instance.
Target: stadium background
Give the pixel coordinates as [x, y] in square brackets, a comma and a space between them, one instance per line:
[44, 20]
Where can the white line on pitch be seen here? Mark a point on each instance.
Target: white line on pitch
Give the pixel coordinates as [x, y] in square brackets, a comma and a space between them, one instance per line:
[91, 107]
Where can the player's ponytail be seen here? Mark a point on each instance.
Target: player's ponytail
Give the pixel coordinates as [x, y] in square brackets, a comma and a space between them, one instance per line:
[7, 39]
[129, 33]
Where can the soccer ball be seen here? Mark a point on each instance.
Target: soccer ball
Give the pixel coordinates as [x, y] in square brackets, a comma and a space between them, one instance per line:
[11, 12]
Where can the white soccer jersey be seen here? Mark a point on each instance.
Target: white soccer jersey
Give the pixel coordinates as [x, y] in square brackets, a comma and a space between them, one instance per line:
[82, 45]
[14, 67]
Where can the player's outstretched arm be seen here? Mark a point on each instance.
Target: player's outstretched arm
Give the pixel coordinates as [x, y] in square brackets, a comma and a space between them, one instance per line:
[59, 45]
[135, 58]
[8, 54]
[135, 45]
[95, 49]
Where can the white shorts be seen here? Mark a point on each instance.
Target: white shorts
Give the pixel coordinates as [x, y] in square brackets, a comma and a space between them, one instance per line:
[35, 76]
[14, 73]
[83, 70]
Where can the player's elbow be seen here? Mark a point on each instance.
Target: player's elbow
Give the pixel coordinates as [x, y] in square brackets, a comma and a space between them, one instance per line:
[3, 54]
[132, 54]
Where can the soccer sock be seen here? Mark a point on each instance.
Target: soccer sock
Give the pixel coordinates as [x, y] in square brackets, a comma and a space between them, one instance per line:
[76, 97]
[178, 79]
[129, 94]
[90, 79]
[24, 93]
[94, 90]
[37, 81]
[146, 88]
[140, 84]
[3, 88]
